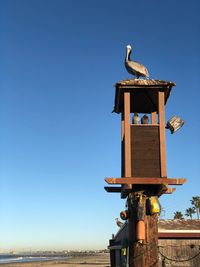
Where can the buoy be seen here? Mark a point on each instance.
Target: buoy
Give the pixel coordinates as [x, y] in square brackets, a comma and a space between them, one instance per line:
[140, 231]
[154, 205]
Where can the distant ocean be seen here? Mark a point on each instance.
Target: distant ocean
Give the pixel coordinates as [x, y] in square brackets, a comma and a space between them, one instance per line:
[15, 258]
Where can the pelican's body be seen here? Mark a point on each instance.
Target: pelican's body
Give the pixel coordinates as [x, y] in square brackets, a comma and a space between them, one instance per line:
[134, 67]
[120, 224]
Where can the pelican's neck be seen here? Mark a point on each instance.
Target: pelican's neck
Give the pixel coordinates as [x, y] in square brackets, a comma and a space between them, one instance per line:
[128, 53]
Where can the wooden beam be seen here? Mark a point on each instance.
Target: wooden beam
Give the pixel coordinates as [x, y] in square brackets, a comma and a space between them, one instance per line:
[144, 125]
[182, 235]
[170, 190]
[153, 118]
[150, 181]
[126, 135]
[164, 189]
[113, 189]
[123, 195]
[161, 112]
[122, 144]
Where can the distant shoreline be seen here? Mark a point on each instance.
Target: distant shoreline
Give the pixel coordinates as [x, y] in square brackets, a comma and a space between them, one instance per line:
[86, 260]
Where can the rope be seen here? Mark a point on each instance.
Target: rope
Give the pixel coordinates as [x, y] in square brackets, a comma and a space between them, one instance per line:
[150, 246]
[169, 259]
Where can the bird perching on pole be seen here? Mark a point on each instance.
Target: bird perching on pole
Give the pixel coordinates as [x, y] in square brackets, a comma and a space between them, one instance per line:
[134, 67]
[119, 224]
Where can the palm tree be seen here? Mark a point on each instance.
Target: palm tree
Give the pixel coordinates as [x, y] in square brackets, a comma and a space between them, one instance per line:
[178, 215]
[196, 204]
[189, 212]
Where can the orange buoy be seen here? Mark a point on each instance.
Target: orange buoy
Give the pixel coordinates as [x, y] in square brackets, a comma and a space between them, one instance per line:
[140, 230]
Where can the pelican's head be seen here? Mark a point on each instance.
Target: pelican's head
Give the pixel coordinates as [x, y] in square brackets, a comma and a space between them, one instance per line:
[128, 47]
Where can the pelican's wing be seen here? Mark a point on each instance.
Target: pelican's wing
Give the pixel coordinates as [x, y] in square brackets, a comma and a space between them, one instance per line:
[139, 68]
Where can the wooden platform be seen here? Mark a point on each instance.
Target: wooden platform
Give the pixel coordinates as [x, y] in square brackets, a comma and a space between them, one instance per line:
[143, 94]
[145, 180]
[151, 186]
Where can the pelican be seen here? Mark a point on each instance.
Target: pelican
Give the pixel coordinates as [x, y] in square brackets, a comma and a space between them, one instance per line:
[134, 67]
[120, 224]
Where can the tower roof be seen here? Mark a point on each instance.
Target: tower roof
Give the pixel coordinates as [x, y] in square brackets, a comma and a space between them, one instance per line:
[143, 94]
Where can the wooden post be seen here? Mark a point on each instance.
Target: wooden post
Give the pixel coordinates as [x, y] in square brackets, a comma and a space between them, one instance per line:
[142, 254]
[126, 135]
[132, 232]
[153, 118]
[161, 112]
[122, 144]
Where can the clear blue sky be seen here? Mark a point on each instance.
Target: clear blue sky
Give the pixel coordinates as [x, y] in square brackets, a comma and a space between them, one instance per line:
[59, 61]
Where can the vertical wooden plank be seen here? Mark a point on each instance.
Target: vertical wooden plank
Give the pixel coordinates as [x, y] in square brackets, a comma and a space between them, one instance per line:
[122, 144]
[152, 233]
[127, 135]
[161, 112]
[122, 125]
[153, 118]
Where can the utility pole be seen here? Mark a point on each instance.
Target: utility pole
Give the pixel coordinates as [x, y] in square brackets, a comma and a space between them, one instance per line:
[144, 172]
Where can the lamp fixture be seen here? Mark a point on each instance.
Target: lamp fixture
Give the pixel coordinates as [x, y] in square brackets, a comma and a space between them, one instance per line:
[174, 124]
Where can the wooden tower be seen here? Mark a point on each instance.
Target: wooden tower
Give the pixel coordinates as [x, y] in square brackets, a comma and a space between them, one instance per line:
[144, 172]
